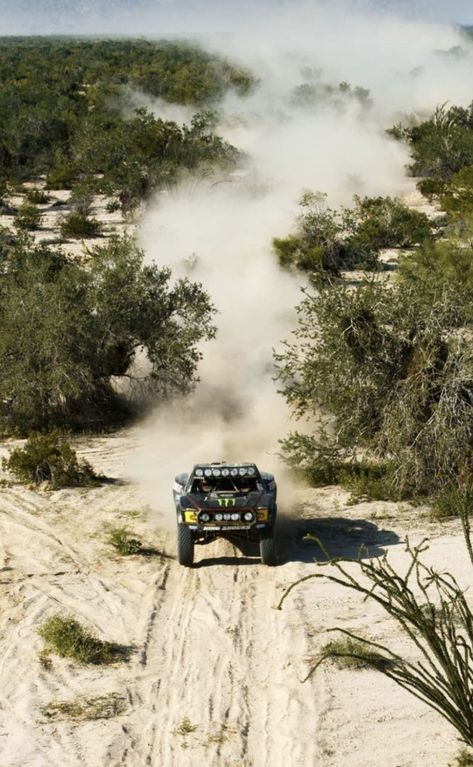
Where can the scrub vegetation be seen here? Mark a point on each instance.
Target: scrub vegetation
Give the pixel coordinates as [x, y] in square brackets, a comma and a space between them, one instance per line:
[66, 637]
[49, 458]
[386, 369]
[326, 242]
[85, 709]
[67, 111]
[387, 372]
[67, 331]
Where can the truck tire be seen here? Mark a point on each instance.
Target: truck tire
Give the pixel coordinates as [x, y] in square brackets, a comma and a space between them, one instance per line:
[267, 549]
[185, 546]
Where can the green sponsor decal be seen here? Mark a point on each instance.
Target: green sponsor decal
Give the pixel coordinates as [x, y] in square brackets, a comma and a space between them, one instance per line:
[226, 502]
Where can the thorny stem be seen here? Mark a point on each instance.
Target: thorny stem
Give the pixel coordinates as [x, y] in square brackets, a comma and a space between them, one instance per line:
[441, 629]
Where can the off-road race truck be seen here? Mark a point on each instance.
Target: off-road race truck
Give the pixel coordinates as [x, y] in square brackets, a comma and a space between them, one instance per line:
[225, 500]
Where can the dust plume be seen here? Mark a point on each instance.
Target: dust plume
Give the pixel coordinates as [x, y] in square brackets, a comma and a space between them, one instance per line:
[219, 231]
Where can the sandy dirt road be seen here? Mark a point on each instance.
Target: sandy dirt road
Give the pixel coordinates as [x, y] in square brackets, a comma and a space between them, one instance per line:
[214, 676]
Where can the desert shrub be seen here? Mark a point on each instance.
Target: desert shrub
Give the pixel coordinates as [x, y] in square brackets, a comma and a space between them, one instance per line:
[329, 241]
[37, 196]
[351, 653]
[384, 222]
[441, 145]
[66, 331]
[66, 637]
[73, 117]
[318, 94]
[320, 462]
[433, 613]
[123, 541]
[62, 174]
[28, 217]
[463, 759]
[456, 196]
[78, 224]
[370, 481]
[49, 458]
[387, 372]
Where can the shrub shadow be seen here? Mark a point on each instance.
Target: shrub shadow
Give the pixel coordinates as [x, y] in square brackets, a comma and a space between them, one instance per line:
[339, 536]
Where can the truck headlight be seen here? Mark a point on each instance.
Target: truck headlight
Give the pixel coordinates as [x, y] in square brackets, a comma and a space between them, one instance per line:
[248, 516]
[218, 517]
[205, 517]
[235, 517]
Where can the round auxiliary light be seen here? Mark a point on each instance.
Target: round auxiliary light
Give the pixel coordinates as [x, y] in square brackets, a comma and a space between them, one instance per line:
[205, 517]
[227, 517]
[234, 472]
[199, 473]
[248, 516]
[242, 472]
[251, 471]
[208, 472]
[218, 517]
[235, 517]
[225, 472]
[216, 472]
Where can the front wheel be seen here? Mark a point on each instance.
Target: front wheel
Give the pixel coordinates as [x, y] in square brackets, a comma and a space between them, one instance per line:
[267, 549]
[185, 545]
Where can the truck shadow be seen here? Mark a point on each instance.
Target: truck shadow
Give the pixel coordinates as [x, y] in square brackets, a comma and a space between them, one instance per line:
[249, 554]
[298, 539]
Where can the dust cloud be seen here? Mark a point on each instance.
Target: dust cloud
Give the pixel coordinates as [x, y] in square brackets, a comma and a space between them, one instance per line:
[218, 231]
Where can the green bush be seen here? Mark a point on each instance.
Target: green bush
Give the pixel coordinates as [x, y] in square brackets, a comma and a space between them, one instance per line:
[49, 458]
[66, 637]
[391, 376]
[370, 481]
[37, 196]
[328, 241]
[78, 224]
[463, 759]
[347, 652]
[62, 175]
[27, 218]
[67, 330]
[122, 541]
[319, 462]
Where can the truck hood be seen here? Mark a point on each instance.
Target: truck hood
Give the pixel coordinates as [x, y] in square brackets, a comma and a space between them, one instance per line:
[224, 501]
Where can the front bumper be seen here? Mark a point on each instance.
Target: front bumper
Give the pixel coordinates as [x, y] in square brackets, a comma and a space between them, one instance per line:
[221, 520]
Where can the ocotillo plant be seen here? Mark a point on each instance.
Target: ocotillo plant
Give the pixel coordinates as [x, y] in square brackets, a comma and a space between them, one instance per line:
[431, 608]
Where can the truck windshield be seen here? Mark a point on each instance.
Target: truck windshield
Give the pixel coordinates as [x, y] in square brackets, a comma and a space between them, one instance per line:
[232, 485]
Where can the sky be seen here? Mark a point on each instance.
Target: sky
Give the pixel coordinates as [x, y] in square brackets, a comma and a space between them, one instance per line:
[155, 17]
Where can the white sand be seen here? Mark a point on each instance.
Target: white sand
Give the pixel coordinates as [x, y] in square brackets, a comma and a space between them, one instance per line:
[208, 644]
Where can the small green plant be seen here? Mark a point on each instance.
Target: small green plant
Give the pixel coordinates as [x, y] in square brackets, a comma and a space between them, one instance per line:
[61, 176]
[186, 727]
[122, 541]
[82, 198]
[463, 759]
[45, 660]
[66, 637]
[448, 503]
[37, 196]
[49, 458]
[85, 709]
[78, 224]
[219, 737]
[351, 653]
[27, 218]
